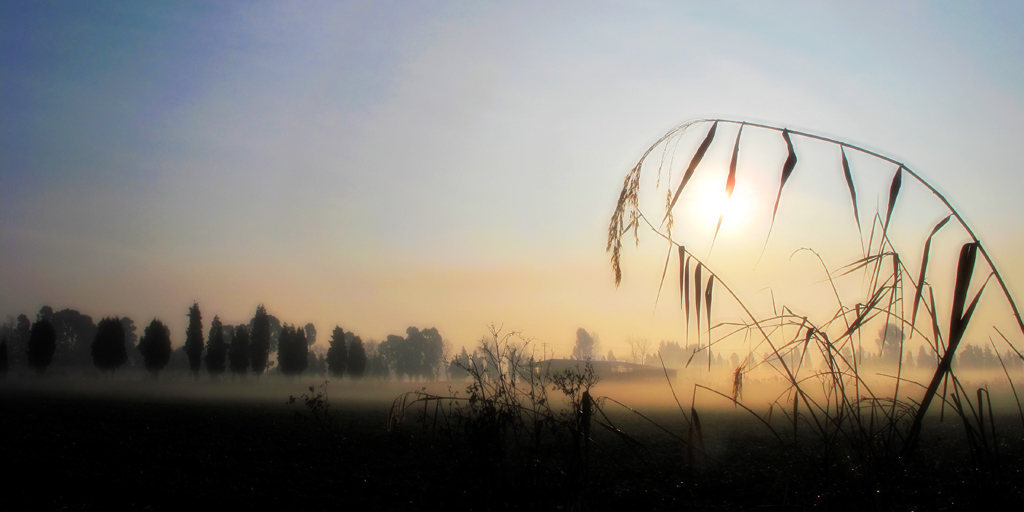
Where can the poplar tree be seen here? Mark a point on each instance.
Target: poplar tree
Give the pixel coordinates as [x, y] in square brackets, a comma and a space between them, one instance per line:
[337, 353]
[238, 352]
[217, 350]
[356, 358]
[194, 340]
[259, 341]
[292, 351]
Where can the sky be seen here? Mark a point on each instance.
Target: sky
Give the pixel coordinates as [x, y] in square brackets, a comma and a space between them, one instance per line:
[379, 165]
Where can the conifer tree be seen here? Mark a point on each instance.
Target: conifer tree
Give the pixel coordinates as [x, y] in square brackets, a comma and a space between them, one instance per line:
[337, 353]
[356, 358]
[216, 351]
[292, 352]
[194, 340]
[238, 352]
[259, 341]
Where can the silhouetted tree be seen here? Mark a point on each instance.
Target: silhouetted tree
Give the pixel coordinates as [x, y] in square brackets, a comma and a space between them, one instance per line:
[337, 353]
[275, 331]
[458, 368]
[433, 352]
[42, 343]
[44, 313]
[356, 358]
[292, 350]
[238, 352]
[585, 347]
[194, 340]
[890, 343]
[310, 334]
[17, 341]
[217, 350]
[317, 358]
[155, 346]
[75, 333]
[131, 340]
[259, 341]
[403, 353]
[108, 350]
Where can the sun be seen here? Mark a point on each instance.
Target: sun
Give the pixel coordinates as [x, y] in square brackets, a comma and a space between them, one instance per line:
[713, 204]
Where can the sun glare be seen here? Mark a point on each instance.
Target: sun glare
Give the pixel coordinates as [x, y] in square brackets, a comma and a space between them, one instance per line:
[714, 204]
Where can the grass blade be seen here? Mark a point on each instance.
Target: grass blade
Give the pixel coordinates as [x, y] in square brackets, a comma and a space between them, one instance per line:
[686, 295]
[924, 267]
[696, 297]
[661, 284]
[894, 191]
[682, 274]
[707, 308]
[730, 182]
[693, 165]
[697, 428]
[957, 325]
[964, 270]
[849, 184]
[787, 171]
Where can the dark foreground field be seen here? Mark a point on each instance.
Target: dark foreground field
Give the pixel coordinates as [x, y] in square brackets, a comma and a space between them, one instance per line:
[86, 451]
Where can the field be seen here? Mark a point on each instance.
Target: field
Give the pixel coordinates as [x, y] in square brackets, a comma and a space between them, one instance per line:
[131, 445]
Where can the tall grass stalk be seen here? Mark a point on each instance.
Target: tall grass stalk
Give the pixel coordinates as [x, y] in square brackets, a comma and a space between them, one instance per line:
[836, 402]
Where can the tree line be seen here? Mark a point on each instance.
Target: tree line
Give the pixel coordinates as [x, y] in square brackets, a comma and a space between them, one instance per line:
[70, 339]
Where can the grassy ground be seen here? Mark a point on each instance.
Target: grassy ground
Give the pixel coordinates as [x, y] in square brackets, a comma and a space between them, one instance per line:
[74, 448]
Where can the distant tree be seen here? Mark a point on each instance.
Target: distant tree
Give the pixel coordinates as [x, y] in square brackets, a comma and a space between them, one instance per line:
[155, 346]
[317, 357]
[292, 351]
[356, 358]
[44, 313]
[310, 334]
[42, 343]
[337, 353]
[217, 350]
[433, 352]
[131, 340]
[18, 343]
[194, 340]
[458, 369]
[259, 341]
[890, 343]
[238, 352]
[638, 349]
[275, 331]
[378, 367]
[108, 347]
[585, 347]
[75, 332]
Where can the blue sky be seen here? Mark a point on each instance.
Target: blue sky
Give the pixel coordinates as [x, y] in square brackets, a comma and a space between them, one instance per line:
[385, 164]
